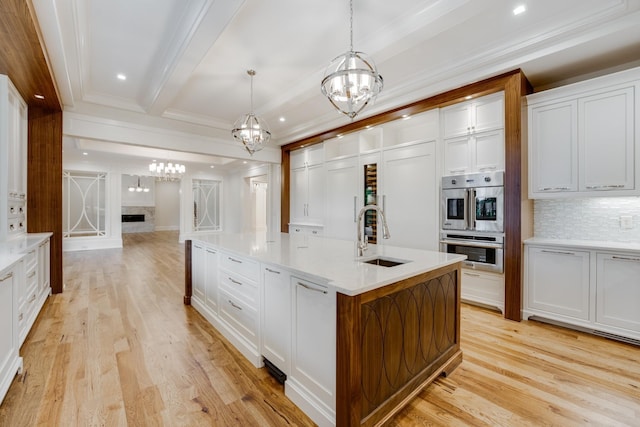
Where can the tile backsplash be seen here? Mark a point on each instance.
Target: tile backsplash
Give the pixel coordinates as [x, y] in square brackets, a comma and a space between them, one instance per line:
[595, 218]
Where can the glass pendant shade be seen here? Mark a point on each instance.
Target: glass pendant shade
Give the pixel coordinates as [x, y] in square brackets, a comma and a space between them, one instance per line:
[350, 82]
[250, 129]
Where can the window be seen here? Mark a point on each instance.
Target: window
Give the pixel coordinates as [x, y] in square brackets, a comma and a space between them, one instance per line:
[206, 205]
[83, 198]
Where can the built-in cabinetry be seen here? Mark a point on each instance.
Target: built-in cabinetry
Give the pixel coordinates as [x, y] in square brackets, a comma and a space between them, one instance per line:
[307, 186]
[473, 135]
[276, 317]
[13, 161]
[585, 285]
[10, 361]
[481, 287]
[582, 138]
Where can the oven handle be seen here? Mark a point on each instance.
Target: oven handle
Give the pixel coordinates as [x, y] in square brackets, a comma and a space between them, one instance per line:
[472, 243]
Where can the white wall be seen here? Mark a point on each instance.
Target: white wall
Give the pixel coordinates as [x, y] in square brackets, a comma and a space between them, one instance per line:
[167, 205]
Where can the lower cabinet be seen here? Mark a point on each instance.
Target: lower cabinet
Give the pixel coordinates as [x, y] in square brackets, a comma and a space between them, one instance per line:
[276, 317]
[483, 288]
[10, 361]
[618, 291]
[312, 382]
[211, 279]
[198, 271]
[594, 289]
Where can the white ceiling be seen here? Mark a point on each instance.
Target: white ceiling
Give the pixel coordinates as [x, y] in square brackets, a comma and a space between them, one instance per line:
[186, 60]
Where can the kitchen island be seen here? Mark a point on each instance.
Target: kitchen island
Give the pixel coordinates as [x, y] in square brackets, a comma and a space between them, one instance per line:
[355, 341]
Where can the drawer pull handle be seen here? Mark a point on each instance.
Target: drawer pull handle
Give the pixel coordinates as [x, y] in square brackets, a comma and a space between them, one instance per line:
[624, 258]
[21, 316]
[554, 189]
[33, 298]
[211, 252]
[235, 281]
[557, 252]
[597, 187]
[33, 273]
[235, 260]
[237, 307]
[472, 274]
[8, 276]
[311, 288]
[272, 271]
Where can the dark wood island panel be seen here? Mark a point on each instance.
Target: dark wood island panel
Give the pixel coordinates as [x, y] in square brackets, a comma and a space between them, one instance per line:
[394, 341]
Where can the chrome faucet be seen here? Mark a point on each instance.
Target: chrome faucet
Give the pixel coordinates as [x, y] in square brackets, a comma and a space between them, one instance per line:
[362, 244]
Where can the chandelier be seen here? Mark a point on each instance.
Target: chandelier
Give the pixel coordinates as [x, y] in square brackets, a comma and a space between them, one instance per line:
[167, 172]
[351, 79]
[138, 188]
[250, 129]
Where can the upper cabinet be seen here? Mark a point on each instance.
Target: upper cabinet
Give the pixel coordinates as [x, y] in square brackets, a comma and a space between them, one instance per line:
[582, 138]
[307, 185]
[13, 161]
[473, 134]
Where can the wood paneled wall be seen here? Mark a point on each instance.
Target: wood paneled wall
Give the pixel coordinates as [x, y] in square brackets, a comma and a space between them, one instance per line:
[22, 59]
[515, 86]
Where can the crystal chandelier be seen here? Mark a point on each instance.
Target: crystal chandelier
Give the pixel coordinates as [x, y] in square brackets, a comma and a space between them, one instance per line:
[138, 188]
[351, 79]
[251, 130]
[167, 172]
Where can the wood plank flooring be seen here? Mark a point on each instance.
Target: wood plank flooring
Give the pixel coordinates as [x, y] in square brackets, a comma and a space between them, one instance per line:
[118, 348]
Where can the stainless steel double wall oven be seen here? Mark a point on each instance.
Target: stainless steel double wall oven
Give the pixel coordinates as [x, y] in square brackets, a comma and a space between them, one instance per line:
[473, 219]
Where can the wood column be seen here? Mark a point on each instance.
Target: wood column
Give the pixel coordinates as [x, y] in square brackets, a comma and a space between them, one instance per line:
[44, 184]
[188, 283]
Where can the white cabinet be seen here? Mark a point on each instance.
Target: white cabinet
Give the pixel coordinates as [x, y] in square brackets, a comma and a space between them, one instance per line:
[342, 183]
[309, 230]
[276, 317]
[483, 288]
[198, 271]
[473, 134]
[307, 185]
[13, 161]
[10, 362]
[582, 138]
[618, 291]
[211, 280]
[410, 190]
[557, 282]
[313, 350]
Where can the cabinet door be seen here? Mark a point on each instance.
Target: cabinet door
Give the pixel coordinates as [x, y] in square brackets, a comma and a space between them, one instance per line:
[211, 279]
[9, 360]
[316, 196]
[276, 317]
[198, 271]
[457, 155]
[341, 199]
[553, 149]
[44, 266]
[298, 196]
[488, 151]
[410, 190]
[313, 351]
[456, 120]
[558, 281]
[483, 288]
[618, 291]
[605, 132]
[488, 113]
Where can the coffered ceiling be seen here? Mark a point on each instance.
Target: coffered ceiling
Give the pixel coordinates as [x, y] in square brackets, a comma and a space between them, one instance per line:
[185, 61]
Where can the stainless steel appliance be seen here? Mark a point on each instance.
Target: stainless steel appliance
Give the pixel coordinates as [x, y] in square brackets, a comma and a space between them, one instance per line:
[473, 202]
[484, 251]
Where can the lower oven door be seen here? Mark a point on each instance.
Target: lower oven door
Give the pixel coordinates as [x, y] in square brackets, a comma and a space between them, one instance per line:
[480, 256]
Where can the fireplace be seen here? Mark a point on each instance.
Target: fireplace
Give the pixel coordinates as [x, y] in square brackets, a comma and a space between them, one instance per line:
[133, 218]
[138, 219]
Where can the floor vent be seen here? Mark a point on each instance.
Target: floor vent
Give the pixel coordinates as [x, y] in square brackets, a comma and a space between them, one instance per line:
[617, 337]
[276, 373]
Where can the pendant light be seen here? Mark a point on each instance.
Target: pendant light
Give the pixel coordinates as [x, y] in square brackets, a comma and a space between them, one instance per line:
[351, 79]
[251, 130]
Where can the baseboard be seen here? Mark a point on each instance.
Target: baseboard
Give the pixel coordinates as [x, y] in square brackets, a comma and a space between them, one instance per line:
[90, 243]
[167, 228]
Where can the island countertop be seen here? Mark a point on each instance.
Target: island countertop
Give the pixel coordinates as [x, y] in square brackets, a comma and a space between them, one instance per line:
[331, 260]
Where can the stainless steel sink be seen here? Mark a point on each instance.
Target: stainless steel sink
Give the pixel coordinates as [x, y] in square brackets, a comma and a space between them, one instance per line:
[385, 262]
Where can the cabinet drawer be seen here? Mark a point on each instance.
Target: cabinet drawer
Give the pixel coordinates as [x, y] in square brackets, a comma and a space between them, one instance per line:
[30, 260]
[239, 287]
[240, 316]
[239, 265]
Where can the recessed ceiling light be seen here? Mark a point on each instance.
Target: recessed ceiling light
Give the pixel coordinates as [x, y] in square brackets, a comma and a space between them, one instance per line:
[85, 153]
[122, 77]
[468, 97]
[38, 96]
[282, 119]
[212, 166]
[244, 163]
[519, 9]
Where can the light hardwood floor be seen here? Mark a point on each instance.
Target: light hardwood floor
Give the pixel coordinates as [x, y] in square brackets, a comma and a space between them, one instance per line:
[119, 348]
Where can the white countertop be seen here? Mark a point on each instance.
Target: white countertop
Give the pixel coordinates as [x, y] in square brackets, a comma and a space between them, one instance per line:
[13, 250]
[585, 244]
[330, 260]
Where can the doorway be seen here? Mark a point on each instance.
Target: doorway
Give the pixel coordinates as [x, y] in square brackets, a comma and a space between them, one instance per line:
[258, 190]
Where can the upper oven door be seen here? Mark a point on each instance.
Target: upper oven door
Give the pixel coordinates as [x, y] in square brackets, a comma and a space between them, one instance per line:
[488, 209]
[455, 209]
